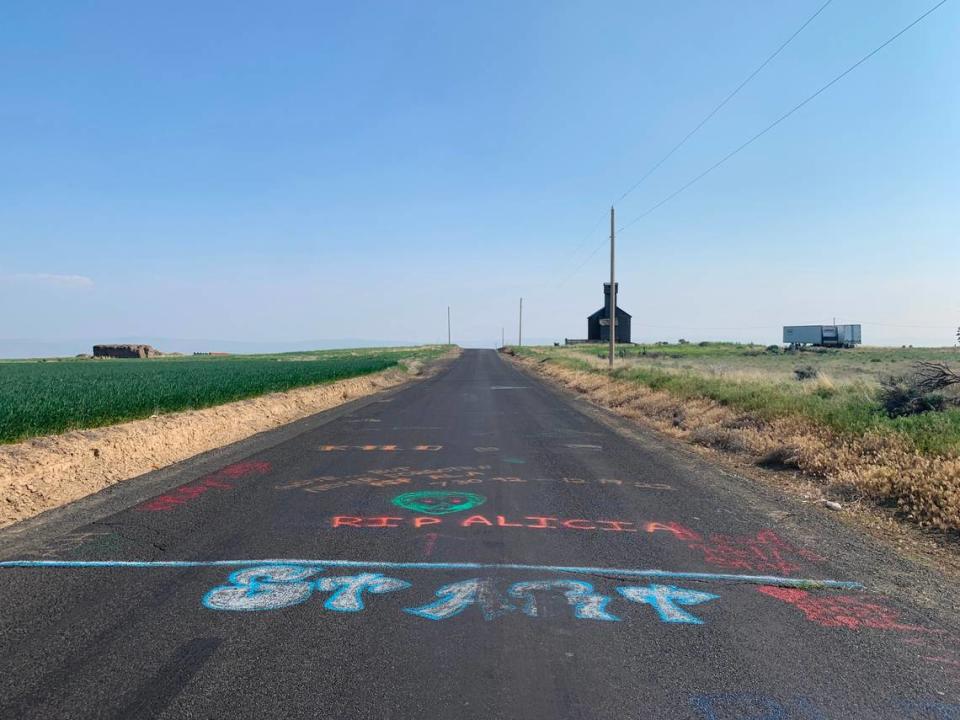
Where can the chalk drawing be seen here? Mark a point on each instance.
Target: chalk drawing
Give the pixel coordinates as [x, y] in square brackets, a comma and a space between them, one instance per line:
[486, 449]
[587, 605]
[844, 611]
[379, 448]
[214, 481]
[430, 544]
[513, 460]
[763, 552]
[348, 589]
[583, 446]
[316, 565]
[667, 599]
[742, 705]
[80, 541]
[269, 587]
[938, 647]
[438, 502]
[446, 476]
[927, 710]
[454, 598]
[676, 529]
[755, 706]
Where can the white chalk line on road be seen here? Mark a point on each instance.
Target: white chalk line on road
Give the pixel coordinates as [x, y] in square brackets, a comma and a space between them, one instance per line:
[804, 583]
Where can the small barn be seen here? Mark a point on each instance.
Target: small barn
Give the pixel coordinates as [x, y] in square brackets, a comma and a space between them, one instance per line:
[598, 324]
[125, 351]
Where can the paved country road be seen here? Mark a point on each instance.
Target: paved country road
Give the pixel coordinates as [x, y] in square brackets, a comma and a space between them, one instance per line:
[473, 546]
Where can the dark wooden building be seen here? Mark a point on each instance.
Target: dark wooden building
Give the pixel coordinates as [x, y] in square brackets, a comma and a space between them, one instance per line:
[598, 324]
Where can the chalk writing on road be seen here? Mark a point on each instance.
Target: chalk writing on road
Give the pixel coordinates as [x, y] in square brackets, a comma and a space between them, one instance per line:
[529, 522]
[438, 502]
[764, 552]
[219, 480]
[380, 448]
[347, 586]
[273, 587]
[453, 476]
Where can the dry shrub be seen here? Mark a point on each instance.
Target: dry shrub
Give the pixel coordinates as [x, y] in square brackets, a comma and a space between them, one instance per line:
[719, 438]
[902, 396]
[782, 457]
[924, 489]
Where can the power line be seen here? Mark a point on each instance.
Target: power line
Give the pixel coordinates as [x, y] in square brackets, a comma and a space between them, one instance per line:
[780, 119]
[723, 102]
[581, 244]
[912, 327]
[682, 142]
[582, 263]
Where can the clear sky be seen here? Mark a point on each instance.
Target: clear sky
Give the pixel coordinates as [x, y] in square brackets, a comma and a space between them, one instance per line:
[284, 171]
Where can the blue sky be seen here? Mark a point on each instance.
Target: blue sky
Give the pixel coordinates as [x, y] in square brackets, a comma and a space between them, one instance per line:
[288, 171]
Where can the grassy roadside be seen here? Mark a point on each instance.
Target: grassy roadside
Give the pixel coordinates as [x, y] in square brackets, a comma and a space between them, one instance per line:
[747, 400]
[46, 397]
[842, 396]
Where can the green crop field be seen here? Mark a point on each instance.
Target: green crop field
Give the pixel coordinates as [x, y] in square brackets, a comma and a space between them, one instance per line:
[842, 392]
[43, 397]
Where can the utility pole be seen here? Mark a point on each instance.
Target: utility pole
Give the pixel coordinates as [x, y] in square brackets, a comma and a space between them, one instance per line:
[502, 341]
[448, 325]
[613, 289]
[520, 332]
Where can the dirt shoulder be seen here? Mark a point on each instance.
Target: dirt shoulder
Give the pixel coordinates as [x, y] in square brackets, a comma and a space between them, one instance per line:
[48, 472]
[780, 455]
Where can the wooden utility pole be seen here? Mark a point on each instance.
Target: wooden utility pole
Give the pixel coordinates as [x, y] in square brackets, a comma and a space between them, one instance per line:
[520, 332]
[613, 289]
[448, 325]
[502, 340]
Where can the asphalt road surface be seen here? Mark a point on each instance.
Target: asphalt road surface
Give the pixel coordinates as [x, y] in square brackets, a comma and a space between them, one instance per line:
[473, 546]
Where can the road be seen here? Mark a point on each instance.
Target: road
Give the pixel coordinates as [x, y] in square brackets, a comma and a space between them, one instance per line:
[473, 546]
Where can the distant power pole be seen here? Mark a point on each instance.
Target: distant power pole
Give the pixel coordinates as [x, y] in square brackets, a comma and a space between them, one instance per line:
[520, 332]
[448, 325]
[613, 289]
[502, 339]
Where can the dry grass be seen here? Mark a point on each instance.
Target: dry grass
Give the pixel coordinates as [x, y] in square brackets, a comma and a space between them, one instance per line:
[878, 467]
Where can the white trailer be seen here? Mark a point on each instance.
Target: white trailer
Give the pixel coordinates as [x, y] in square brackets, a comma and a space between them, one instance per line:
[822, 335]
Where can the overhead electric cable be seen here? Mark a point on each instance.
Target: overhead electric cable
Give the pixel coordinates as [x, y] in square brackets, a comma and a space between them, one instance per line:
[723, 102]
[780, 119]
[582, 244]
[682, 142]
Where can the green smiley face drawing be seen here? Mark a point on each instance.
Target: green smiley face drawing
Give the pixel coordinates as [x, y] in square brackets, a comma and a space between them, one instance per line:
[438, 502]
